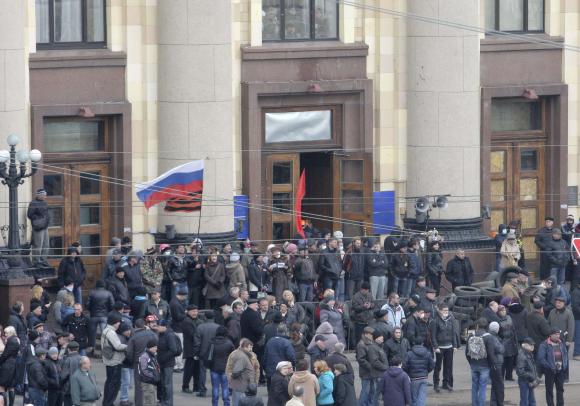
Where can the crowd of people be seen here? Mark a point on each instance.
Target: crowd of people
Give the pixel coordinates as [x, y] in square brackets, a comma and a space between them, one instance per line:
[240, 318]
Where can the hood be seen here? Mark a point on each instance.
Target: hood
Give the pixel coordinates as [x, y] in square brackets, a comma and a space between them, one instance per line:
[232, 266]
[301, 376]
[324, 328]
[394, 371]
[420, 351]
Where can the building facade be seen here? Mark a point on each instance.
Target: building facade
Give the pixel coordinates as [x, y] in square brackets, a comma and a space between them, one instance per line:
[376, 109]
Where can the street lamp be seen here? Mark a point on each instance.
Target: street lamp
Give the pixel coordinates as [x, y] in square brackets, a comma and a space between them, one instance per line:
[12, 176]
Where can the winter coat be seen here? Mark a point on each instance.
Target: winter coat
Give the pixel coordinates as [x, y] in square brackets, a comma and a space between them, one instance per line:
[509, 336]
[259, 276]
[8, 362]
[400, 265]
[563, 320]
[167, 348]
[334, 317]
[545, 357]
[371, 359]
[222, 348]
[84, 387]
[134, 278]
[316, 354]
[69, 365]
[215, 277]
[252, 326]
[296, 314]
[79, 327]
[337, 358]
[415, 267]
[52, 369]
[519, 315]
[161, 310]
[459, 271]
[73, 268]
[377, 264]
[434, 263]
[177, 311]
[510, 254]
[36, 374]
[177, 268]
[355, 265]
[343, 392]
[542, 239]
[330, 265]
[232, 323]
[100, 302]
[383, 328]
[526, 366]
[310, 384]
[395, 315]
[277, 349]
[558, 253]
[304, 271]
[360, 313]
[281, 274]
[242, 369]
[509, 290]
[416, 331]
[490, 315]
[138, 344]
[278, 392]
[120, 291]
[495, 352]
[189, 326]
[204, 335]
[396, 387]
[325, 329]
[538, 327]
[418, 362]
[38, 214]
[236, 275]
[326, 382]
[110, 340]
[397, 348]
[149, 368]
[487, 340]
[445, 332]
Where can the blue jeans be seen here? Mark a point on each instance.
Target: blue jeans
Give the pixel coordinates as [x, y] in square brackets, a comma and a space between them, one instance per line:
[559, 273]
[306, 292]
[328, 283]
[378, 286]
[78, 294]
[202, 371]
[394, 284]
[479, 380]
[576, 338]
[167, 385]
[527, 397]
[37, 396]
[94, 323]
[126, 374]
[179, 286]
[236, 397]
[217, 380]
[419, 392]
[340, 288]
[369, 392]
[404, 288]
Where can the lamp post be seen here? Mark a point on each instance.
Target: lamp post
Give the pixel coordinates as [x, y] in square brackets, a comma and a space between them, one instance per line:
[13, 175]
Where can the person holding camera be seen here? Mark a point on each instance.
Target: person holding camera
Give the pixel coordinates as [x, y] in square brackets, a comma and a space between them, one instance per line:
[527, 373]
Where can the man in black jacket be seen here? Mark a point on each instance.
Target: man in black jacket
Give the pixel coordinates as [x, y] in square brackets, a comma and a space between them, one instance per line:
[191, 367]
[99, 304]
[417, 364]
[52, 367]
[177, 308]
[538, 326]
[39, 219]
[542, 239]
[558, 255]
[396, 346]
[355, 267]
[77, 324]
[330, 266]
[362, 310]
[204, 334]
[495, 357]
[459, 270]
[37, 379]
[167, 351]
[118, 286]
[135, 348]
[417, 329]
[445, 341]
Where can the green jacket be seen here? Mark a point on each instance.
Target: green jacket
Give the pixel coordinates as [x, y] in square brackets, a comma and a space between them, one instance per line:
[83, 387]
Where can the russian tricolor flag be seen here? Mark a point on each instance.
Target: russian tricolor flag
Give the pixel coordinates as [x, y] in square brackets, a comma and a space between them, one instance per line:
[181, 187]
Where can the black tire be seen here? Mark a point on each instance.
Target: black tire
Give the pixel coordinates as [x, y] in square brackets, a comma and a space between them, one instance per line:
[472, 291]
[494, 292]
[464, 309]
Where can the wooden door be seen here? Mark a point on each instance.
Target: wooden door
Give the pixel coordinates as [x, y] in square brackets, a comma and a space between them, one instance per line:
[518, 189]
[352, 194]
[282, 176]
[78, 200]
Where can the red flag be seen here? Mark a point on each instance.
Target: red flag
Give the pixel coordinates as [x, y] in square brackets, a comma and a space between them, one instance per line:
[298, 205]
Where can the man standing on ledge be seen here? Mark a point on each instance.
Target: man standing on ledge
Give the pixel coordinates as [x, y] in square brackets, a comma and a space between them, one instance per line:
[39, 219]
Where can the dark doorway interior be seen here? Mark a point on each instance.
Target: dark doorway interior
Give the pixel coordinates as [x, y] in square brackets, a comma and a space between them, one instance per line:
[319, 197]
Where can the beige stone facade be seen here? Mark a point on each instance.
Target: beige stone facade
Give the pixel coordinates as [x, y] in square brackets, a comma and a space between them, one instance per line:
[183, 80]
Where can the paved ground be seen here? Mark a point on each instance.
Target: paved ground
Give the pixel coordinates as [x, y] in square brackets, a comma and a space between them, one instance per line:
[461, 395]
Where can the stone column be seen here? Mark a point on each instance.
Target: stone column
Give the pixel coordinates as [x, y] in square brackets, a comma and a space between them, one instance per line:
[195, 105]
[444, 107]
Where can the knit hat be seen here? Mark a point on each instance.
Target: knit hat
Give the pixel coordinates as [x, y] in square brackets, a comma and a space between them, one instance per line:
[283, 364]
[39, 350]
[52, 351]
[528, 341]
[494, 327]
[152, 343]
[113, 319]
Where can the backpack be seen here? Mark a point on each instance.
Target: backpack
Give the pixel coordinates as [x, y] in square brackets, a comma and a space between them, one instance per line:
[476, 349]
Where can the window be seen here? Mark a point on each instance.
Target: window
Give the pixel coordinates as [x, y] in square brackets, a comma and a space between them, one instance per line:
[299, 126]
[73, 136]
[515, 115]
[70, 24]
[514, 15]
[299, 20]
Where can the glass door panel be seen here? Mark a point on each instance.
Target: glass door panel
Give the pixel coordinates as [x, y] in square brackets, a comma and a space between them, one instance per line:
[282, 174]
